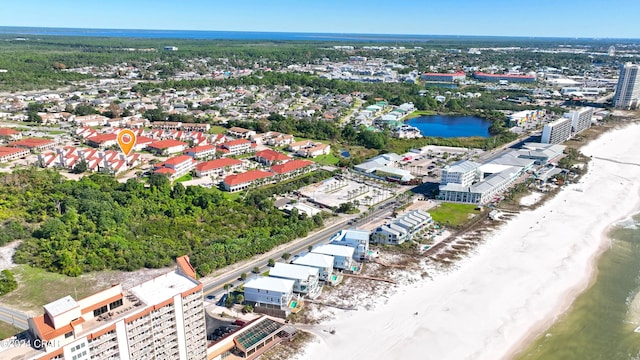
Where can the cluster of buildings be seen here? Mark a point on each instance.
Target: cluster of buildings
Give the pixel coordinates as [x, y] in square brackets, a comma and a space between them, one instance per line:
[402, 228]
[470, 182]
[21, 147]
[162, 318]
[570, 124]
[385, 167]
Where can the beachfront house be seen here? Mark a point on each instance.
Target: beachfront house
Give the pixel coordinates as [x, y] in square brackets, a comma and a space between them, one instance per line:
[324, 264]
[269, 292]
[305, 278]
[342, 255]
[357, 239]
[402, 228]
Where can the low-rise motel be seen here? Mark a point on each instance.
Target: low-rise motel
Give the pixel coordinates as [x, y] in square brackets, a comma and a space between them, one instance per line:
[34, 144]
[516, 78]
[163, 318]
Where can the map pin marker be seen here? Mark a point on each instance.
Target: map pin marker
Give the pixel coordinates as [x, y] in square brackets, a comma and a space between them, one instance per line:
[126, 140]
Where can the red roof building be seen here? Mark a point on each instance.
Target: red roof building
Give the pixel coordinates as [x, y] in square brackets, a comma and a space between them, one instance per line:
[271, 157]
[292, 166]
[243, 181]
[168, 146]
[9, 134]
[103, 140]
[12, 153]
[34, 144]
[201, 152]
[218, 167]
[179, 165]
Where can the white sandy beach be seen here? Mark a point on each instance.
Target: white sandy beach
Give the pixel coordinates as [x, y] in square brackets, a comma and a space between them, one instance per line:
[523, 277]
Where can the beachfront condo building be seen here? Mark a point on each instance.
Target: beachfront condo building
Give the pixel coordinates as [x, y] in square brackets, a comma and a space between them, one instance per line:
[628, 90]
[580, 119]
[463, 172]
[557, 131]
[159, 319]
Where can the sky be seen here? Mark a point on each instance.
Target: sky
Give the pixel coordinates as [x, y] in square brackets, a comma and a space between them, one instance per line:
[552, 18]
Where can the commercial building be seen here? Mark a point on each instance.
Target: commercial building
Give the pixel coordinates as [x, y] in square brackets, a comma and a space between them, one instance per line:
[504, 77]
[580, 119]
[305, 278]
[402, 228]
[462, 172]
[628, 89]
[160, 319]
[383, 167]
[483, 191]
[357, 239]
[342, 255]
[444, 77]
[557, 131]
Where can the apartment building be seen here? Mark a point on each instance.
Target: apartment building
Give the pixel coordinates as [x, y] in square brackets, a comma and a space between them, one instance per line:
[557, 131]
[160, 319]
[628, 89]
[580, 119]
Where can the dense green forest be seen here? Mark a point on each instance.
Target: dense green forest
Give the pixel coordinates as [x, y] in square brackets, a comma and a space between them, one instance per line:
[97, 223]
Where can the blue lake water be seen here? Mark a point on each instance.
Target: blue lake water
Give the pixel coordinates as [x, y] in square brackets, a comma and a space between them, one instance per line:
[448, 126]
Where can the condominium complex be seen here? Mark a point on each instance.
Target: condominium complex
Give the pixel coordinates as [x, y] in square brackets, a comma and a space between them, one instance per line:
[580, 119]
[557, 131]
[160, 319]
[628, 90]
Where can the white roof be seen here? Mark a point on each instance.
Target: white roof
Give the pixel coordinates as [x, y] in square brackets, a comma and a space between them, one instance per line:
[162, 288]
[290, 271]
[316, 260]
[493, 168]
[462, 166]
[60, 306]
[335, 250]
[346, 235]
[270, 284]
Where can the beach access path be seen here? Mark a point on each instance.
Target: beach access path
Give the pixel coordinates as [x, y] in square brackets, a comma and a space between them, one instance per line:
[517, 283]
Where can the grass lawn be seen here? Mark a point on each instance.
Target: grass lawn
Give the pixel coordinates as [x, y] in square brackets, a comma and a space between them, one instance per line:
[451, 214]
[227, 195]
[419, 113]
[217, 129]
[7, 330]
[185, 177]
[328, 159]
[37, 287]
[56, 132]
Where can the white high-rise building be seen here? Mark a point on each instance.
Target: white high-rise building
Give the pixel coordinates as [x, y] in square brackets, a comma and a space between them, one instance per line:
[160, 319]
[580, 119]
[557, 131]
[628, 90]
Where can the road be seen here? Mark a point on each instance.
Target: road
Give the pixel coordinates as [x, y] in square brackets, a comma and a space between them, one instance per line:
[14, 317]
[216, 286]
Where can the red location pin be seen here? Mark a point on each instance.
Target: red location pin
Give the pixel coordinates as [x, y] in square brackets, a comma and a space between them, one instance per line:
[126, 140]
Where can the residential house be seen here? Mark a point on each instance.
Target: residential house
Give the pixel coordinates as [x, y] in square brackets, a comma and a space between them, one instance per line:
[324, 264]
[402, 228]
[269, 292]
[103, 140]
[342, 255]
[240, 133]
[8, 134]
[357, 239]
[306, 278]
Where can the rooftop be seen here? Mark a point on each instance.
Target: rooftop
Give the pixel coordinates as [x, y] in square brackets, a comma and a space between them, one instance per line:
[270, 284]
[291, 271]
[162, 288]
[60, 306]
[315, 259]
[245, 177]
[335, 250]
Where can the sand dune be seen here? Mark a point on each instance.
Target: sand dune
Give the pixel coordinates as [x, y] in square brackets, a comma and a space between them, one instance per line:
[523, 277]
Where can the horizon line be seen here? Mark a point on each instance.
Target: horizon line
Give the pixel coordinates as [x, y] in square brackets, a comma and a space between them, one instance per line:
[318, 33]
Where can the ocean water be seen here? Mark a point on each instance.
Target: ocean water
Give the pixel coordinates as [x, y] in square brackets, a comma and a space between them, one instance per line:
[601, 322]
[448, 126]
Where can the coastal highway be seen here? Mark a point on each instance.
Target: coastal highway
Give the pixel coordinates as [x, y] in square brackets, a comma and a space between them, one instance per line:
[14, 317]
[216, 286]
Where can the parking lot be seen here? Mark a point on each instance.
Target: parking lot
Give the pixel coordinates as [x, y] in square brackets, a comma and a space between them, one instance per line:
[335, 191]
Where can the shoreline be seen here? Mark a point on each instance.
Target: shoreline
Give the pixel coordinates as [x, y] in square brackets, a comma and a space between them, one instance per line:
[546, 275]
